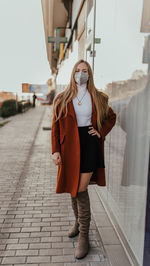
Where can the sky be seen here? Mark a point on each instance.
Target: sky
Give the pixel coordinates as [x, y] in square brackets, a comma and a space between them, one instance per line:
[23, 57]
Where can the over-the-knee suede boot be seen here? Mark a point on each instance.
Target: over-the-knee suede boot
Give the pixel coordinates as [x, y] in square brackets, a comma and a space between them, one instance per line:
[84, 218]
[74, 231]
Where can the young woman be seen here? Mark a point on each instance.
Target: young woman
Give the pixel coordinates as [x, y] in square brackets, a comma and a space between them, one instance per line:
[81, 120]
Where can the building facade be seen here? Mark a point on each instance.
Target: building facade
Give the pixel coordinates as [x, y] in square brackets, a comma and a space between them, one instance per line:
[114, 38]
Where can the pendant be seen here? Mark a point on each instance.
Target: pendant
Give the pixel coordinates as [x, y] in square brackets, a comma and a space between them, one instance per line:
[79, 103]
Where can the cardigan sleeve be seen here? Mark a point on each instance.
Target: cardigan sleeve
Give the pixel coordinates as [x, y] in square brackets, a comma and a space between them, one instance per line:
[108, 124]
[55, 135]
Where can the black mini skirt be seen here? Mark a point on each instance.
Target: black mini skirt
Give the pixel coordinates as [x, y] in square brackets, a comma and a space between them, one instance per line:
[90, 153]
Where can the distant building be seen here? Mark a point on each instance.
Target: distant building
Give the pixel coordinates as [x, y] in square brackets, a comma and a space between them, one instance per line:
[6, 96]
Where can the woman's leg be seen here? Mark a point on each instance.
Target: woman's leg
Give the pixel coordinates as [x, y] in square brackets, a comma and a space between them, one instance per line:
[84, 215]
[84, 181]
[74, 230]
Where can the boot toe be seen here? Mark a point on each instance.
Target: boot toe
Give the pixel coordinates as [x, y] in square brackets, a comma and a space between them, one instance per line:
[81, 254]
[82, 248]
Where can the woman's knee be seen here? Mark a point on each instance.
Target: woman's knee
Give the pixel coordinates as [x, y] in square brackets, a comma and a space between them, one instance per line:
[84, 181]
[82, 188]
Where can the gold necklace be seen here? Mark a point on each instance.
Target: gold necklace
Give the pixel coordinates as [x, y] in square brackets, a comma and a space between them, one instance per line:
[79, 101]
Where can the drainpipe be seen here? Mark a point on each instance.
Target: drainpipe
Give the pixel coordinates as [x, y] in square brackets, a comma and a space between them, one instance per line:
[94, 25]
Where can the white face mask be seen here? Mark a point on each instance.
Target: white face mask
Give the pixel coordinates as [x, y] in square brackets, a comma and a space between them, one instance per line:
[81, 77]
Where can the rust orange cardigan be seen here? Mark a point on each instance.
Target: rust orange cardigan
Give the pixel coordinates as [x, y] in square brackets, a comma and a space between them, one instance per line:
[65, 139]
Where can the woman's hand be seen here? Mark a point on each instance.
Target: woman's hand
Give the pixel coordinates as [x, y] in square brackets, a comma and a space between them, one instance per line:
[56, 157]
[93, 132]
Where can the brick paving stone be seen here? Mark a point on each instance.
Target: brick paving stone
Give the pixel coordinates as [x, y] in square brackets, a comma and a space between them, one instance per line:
[10, 220]
[30, 229]
[8, 264]
[89, 257]
[67, 251]
[51, 239]
[62, 245]
[22, 216]
[32, 220]
[44, 224]
[59, 233]
[7, 253]
[59, 215]
[66, 227]
[77, 264]
[10, 216]
[4, 236]
[9, 241]
[43, 215]
[39, 234]
[20, 224]
[30, 252]
[32, 264]
[40, 246]
[13, 260]
[51, 264]
[67, 239]
[102, 263]
[59, 223]
[93, 237]
[17, 246]
[51, 252]
[51, 229]
[63, 258]
[15, 212]
[2, 247]
[56, 219]
[66, 219]
[29, 240]
[6, 225]
[38, 259]
[20, 235]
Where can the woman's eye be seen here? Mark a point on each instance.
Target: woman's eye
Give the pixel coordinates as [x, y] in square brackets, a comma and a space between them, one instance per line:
[84, 71]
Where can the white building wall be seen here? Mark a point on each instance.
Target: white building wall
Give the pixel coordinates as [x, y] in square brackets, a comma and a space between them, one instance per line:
[120, 52]
[67, 65]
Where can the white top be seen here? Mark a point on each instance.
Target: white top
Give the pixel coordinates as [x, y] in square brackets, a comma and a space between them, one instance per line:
[83, 111]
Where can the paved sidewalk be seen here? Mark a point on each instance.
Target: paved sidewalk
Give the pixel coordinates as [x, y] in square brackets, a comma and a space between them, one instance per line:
[34, 220]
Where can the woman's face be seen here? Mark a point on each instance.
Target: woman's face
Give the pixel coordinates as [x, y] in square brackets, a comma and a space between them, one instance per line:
[82, 67]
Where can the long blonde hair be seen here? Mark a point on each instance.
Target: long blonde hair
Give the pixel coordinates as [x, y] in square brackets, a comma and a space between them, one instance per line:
[100, 99]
